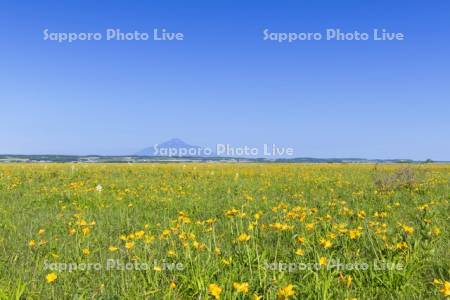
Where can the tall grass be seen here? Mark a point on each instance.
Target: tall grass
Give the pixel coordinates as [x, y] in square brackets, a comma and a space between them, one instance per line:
[235, 231]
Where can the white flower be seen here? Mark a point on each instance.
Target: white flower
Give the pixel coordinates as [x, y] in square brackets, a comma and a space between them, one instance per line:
[99, 188]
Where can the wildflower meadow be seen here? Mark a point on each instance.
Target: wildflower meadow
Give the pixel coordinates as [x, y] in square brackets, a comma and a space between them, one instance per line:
[224, 231]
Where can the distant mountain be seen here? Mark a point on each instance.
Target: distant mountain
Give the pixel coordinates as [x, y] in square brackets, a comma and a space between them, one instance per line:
[174, 148]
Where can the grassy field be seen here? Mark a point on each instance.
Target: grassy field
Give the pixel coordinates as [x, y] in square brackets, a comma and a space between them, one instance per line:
[228, 231]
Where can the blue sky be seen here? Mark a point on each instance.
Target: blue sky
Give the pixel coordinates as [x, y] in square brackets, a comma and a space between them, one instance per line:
[224, 83]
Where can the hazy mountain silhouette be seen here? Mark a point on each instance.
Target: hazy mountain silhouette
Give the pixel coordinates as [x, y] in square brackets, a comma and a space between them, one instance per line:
[176, 145]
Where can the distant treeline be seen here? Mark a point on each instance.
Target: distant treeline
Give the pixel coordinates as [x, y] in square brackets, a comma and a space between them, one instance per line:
[143, 159]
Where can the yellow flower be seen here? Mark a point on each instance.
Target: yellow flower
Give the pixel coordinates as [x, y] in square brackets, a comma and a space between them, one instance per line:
[129, 245]
[326, 243]
[173, 285]
[82, 223]
[112, 248]
[51, 277]
[231, 212]
[354, 233]
[436, 231]
[332, 235]
[165, 233]
[198, 246]
[139, 234]
[227, 261]
[256, 297]
[241, 287]
[157, 268]
[300, 239]
[86, 252]
[281, 226]
[299, 252]
[361, 214]
[445, 289]
[349, 281]
[408, 229]
[310, 226]
[31, 243]
[215, 290]
[401, 245]
[41, 231]
[86, 230]
[323, 261]
[243, 237]
[286, 292]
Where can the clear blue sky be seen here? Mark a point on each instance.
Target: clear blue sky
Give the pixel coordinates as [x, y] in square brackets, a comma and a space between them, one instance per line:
[223, 83]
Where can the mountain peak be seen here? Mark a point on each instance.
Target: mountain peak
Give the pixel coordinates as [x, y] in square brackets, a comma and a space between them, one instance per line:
[174, 144]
